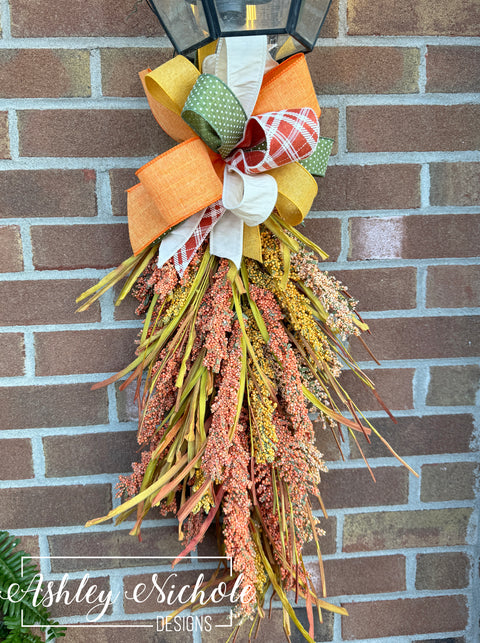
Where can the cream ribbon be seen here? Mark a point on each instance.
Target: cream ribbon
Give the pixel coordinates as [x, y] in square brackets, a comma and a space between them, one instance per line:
[240, 62]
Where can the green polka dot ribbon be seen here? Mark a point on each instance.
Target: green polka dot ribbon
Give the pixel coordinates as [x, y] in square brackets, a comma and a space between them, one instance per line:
[316, 163]
[214, 112]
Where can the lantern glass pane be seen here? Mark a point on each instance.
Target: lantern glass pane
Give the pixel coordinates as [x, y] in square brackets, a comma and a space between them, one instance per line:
[252, 15]
[184, 22]
[310, 18]
[282, 46]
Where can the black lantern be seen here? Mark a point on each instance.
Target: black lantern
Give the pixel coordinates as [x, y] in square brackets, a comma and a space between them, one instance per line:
[292, 25]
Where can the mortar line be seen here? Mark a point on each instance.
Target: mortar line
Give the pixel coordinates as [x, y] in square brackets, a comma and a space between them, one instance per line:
[13, 135]
[38, 457]
[421, 285]
[155, 42]
[95, 74]
[422, 70]
[104, 197]
[425, 186]
[104, 103]
[29, 362]
[5, 20]
[27, 251]
[134, 162]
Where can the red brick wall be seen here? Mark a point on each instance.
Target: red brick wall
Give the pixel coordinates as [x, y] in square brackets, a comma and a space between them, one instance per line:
[399, 214]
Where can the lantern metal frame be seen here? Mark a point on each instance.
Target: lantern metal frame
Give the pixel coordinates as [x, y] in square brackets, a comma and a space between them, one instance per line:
[216, 32]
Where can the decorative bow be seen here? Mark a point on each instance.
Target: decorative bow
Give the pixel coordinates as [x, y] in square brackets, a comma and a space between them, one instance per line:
[257, 158]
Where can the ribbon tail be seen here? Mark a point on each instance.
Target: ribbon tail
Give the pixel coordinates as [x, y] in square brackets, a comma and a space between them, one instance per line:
[226, 238]
[240, 62]
[184, 240]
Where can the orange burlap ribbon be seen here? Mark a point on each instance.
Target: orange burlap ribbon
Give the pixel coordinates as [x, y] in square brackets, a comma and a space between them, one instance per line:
[188, 178]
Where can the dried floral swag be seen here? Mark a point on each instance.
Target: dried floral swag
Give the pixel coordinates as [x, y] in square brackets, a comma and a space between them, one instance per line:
[229, 369]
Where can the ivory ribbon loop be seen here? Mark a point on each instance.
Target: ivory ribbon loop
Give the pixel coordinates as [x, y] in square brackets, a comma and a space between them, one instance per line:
[247, 199]
[251, 198]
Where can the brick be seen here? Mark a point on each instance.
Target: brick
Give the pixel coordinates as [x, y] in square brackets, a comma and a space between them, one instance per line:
[120, 181]
[369, 187]
[453, 69]
[30, 545]
[84, 351]
[394, 386]
[412, 128]
[413, 18]
[159, 541]
[60, 506]
[77, 608]
[455, 184]
[325, 442]
[362, 575]
[398, 529]
[120, 68]
[448, 481]
[329, 126]
[414, 237]
[127, 407]
[453, 286]
[79, 246]
[89, 454]
[453, 385]
[90, 133]
[17, 461]
[126, 309]
[379, 70]
[423, 338]
[430, 434]
[326, 233]
[442, 571]
[45, 73]
[330, 26]
[4, 136]
[404, 617]
[124, 633]
[342, 488]
[11, 251]
[25, 407]
[381, 288]
[50, 301]
[12, 354]
[328, 542]
[48, 193]
[78, 18]
[271, 628]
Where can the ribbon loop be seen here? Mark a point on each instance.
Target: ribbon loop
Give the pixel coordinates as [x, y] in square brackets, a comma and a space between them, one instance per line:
[214, 112]
[289, 135]
[316, 164]
[251, 198]
[296, 191]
